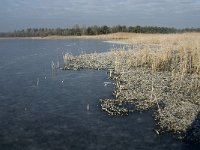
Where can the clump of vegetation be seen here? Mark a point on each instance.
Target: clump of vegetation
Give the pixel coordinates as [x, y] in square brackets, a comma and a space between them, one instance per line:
[162, 72]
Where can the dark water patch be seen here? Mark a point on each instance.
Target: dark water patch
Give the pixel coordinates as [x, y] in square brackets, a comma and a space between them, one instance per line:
[193, 132]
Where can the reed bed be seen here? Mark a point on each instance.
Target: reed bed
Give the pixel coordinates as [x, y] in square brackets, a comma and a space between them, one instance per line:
[162, 73]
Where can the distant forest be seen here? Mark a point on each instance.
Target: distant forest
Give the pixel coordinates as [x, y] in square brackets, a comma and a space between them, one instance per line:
[93, 30]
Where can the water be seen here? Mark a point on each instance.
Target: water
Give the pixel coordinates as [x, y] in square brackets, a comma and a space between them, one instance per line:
[41, 110]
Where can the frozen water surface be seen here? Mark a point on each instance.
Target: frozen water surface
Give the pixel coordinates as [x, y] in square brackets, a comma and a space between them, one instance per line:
[45, 110]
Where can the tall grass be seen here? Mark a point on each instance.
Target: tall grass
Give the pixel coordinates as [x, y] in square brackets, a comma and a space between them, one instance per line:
[171, 52]
[159, 52]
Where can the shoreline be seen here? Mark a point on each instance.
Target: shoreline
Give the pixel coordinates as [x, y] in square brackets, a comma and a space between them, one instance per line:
[114, 36]
[20, 38]
[172, 95]
[40, 38]
[104, 39]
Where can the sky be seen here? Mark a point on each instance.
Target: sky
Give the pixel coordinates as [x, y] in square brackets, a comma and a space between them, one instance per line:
[22, 14]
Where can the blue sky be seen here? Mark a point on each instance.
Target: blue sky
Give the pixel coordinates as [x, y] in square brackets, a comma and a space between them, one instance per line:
[19, 14]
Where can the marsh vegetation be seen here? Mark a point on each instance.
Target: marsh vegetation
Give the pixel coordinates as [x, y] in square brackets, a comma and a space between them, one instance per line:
[160, 72]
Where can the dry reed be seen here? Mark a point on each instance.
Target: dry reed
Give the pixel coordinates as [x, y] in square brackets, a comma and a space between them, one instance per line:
[162, 72]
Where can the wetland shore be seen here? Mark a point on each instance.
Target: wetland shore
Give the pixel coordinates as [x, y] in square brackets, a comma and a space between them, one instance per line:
[162, 74]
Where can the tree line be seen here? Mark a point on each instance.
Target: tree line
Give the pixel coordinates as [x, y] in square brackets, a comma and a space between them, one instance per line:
[93, 30]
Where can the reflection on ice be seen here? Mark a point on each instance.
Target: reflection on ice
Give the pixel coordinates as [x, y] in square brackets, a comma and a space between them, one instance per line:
[88, 107]
[38, 80]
